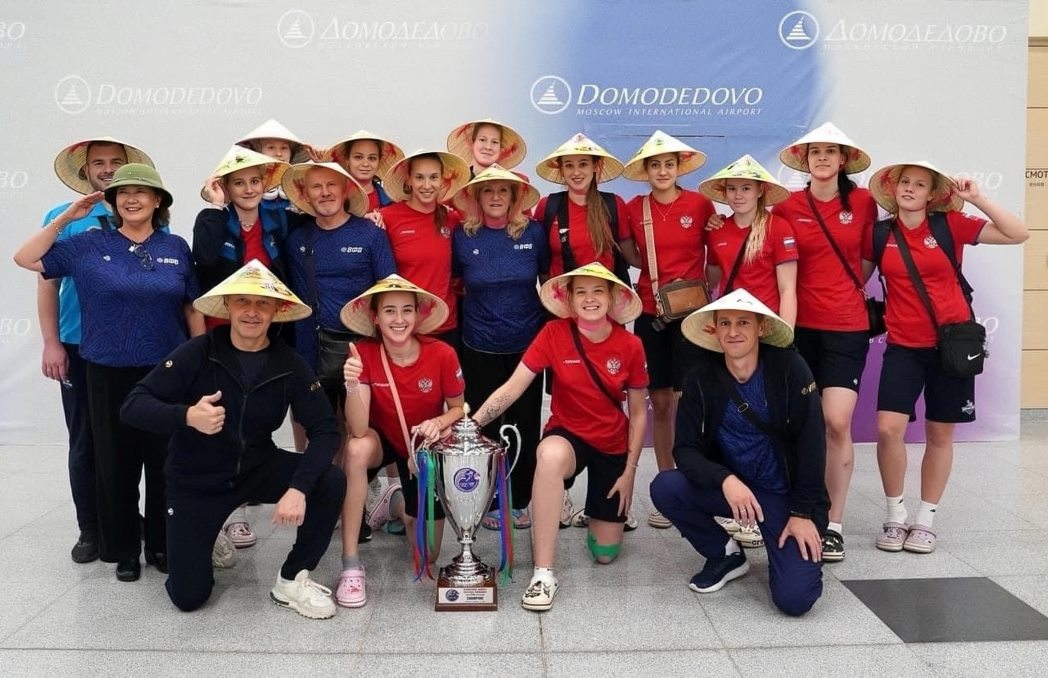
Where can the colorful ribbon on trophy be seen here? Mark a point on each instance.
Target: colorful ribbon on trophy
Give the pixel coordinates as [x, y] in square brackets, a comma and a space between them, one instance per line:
[423, 541]
[505, 518]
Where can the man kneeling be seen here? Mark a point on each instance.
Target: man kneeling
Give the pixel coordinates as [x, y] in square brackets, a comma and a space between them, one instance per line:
[220, 397]
[750, 443]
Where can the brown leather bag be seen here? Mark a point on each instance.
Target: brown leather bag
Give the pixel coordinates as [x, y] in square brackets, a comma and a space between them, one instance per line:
[678, 298]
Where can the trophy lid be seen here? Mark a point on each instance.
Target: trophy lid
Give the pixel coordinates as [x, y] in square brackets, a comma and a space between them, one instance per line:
[466, 437]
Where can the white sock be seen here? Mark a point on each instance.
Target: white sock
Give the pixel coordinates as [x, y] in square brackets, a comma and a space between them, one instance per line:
[836, 527]
[545, 573]
[926, 514]
[896, 510]
[731, 548]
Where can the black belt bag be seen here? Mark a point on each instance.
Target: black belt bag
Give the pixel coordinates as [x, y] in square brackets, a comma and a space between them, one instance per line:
[332, 349]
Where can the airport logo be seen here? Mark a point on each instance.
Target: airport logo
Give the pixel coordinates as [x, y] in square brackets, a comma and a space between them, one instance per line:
[550, 94]
[11, 34]
[798, 30]
[295, 29]
[73, 94]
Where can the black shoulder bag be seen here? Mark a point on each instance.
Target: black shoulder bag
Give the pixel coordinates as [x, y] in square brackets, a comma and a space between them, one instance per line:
[332, 345]
[874, 307]
[962, 346]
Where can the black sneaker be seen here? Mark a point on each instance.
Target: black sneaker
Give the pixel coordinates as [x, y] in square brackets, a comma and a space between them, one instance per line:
[157, 559]
[365, 533]
[86, 548]
[832, 546]
[129, 570]
[718, 572]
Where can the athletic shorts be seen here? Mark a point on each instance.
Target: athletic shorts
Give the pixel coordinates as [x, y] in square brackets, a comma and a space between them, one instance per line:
[835, 358]
[604, 471]
[905, 372]
[669, 355]
[408, 483]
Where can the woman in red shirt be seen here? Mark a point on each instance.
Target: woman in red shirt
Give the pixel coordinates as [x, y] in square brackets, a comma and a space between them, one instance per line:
[597, 228]
[913, 193]
[419, 225]
[832, 327]
[483, 143]
[367, 158]
[753, 249]
[594, 361]
[677, 219]
[425, 376]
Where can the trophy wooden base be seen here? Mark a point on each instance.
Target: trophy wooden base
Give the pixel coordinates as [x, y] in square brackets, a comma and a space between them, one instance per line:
[452, 598]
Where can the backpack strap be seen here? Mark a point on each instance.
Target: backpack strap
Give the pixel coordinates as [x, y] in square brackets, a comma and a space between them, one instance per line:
[940, 229]
[730, 284]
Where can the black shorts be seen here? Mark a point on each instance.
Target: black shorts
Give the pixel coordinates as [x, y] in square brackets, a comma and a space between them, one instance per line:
[669, 355]
[604, 471]
[408, 483]
[835, 358]
[905, 372]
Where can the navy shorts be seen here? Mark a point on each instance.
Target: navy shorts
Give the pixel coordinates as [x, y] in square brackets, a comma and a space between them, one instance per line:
[408, 483]
[669, 355]
[604, 471]
[836, 358]
[905, 372]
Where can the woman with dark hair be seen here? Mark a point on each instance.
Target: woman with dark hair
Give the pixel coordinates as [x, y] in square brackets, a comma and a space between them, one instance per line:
[368, 159]
[500, 254]
[136, 285]
[397, 384]
[833, 223]
[928, 228]
[483, 143]
[420, 226]
[597, 365]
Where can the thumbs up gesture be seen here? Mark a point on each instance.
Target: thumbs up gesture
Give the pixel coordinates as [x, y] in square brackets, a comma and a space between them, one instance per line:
[206, 416]
[353, 368]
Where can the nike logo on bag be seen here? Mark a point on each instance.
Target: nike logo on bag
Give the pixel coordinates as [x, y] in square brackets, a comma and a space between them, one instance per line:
[973, 357]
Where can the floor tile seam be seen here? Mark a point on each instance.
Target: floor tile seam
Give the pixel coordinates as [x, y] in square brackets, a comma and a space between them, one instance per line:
[248, 653]
[39, 612]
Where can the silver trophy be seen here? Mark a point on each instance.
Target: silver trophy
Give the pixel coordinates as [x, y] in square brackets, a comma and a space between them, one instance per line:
[466, 470]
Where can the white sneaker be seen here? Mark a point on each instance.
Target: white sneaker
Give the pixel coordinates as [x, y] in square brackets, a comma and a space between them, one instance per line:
[223, 553]
[659, 521]
[240, 534]
[567, 510]
[303, 595]
[749, 537]
[631, 522]
[540, 593]
[729, 524]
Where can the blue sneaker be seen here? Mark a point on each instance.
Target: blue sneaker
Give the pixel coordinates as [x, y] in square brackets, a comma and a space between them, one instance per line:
[718, 572]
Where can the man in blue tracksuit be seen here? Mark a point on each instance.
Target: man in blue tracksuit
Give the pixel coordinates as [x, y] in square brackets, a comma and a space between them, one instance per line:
[85, 167]
[750, 443]
[220, 397]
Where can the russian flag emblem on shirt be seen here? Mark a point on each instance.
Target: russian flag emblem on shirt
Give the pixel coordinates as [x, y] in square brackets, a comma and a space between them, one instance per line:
[789, 243]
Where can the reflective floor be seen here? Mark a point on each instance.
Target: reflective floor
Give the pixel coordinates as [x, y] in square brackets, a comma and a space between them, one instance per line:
[969, 608]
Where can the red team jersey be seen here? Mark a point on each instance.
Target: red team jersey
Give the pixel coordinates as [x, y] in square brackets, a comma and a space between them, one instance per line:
[577, 404]
[422, 386]
[578, 236]
[757, 277]
[373, 200]
[907, 319]
[423, 254]
[679, 232]
[826, 296]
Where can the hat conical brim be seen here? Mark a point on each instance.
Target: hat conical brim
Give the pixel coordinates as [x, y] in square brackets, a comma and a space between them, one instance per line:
[357, 317]
[294, 188]
[271, 129]
[389, 153]
[882, 187]
[256, 280]
[795, 156]
[625, 304]
[610, 166]
[456, 175]
[465, 200]
[240, 158]
[690, 159]
[699, 328]
[460, 142]
[71, 160]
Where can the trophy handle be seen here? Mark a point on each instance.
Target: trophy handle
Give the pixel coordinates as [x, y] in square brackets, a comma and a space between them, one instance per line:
[415, 449]
[506, 440]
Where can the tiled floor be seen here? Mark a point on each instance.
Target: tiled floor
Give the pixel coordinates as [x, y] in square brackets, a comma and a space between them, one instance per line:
[635, 617]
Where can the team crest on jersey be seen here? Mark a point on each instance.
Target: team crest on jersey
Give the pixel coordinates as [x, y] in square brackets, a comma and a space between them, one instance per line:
[845, 217]
[613, 365]
[686, 221]
[425, 385]
[445, 232]
[930, 242]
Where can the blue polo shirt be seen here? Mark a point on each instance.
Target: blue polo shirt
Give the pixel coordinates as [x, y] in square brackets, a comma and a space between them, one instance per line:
[748, 451]
[501, 310]
[68, 301]
[131, 316]
[348, 260]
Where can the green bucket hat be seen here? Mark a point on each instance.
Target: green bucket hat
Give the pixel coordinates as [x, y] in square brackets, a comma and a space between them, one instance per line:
[137, 174]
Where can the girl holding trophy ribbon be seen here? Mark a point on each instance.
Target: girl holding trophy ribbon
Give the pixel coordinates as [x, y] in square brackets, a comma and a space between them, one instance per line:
[396, 386]
[593, 360]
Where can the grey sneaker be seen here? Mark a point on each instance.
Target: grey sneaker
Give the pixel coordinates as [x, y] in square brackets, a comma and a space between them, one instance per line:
[223, 553]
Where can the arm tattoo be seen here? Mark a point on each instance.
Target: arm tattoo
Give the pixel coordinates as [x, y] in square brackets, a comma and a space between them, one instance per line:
[493, 409]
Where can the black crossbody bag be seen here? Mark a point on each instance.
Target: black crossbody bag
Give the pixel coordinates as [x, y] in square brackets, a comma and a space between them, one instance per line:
[962, 346]
[874, 307]
[332, 345]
